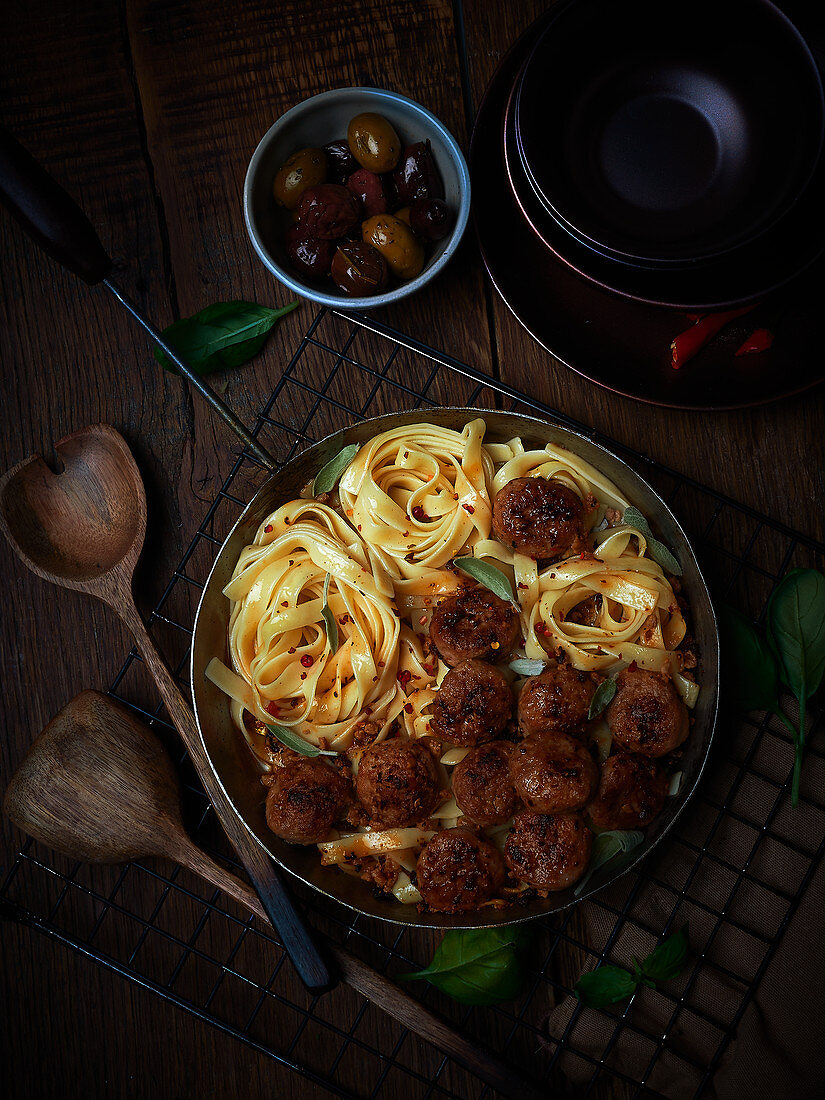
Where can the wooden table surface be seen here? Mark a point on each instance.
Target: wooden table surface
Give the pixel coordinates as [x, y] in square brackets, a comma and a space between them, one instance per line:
[148, 112]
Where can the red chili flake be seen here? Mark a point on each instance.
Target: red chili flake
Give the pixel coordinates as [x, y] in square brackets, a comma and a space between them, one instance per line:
[291, 562]
[291, 649]
[582, 555]
[287, 522]
[359, 526]
[468, 508]
[422, 620]
[632, 666]
[406, 454]
[303, 676]
[381, 664]
[404, 677]
[271, 707]
[455, 496]
[405, 534]
[367, 710]
[759, 340]
[375, 679]
[419, 513]
[269, 528]
[307, 661]
[429, 669]
[540, 628]
[409, 557]
[408, 707]
[522, 585]
[284, 603]
[552, 576]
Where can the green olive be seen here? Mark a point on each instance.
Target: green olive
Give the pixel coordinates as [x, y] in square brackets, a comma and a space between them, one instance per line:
[373, 142]
[304, 169]
[395, 241]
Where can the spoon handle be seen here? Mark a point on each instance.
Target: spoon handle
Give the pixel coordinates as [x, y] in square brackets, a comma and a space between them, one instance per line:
[381, 991]
[264, 875]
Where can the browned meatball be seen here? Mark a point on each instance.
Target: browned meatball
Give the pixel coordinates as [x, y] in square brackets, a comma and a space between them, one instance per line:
[457, 870]
[632, 791]
[472, 704]
[556, 701]
[548, 851]
[539, 516]
[306, 796]
[646, 714]
[553, 772]
[473, 624]
[482, 786]
[397, 783]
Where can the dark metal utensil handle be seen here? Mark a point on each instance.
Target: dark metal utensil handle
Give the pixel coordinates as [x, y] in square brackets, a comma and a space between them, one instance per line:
[54, 221]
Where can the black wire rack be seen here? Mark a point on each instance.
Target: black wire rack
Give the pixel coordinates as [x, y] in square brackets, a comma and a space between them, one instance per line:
[718, 869]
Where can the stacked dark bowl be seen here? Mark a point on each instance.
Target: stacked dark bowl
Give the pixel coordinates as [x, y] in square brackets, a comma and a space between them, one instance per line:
[671, 153]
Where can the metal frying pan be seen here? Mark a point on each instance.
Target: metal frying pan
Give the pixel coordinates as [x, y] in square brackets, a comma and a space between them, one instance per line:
[57, 224]
[233, 763]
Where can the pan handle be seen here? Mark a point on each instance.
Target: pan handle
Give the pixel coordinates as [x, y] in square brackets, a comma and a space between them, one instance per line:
[48, 214]
[54, 221]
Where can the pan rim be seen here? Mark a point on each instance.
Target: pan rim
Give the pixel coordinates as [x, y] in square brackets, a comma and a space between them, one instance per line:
[710, 667]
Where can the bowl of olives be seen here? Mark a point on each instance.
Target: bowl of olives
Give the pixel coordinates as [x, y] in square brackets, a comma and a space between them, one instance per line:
[356, 197]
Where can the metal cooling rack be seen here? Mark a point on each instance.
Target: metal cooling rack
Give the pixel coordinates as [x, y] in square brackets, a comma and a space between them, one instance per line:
[204, 954]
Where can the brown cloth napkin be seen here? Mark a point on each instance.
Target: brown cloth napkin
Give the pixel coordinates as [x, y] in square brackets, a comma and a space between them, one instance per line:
[741, 853]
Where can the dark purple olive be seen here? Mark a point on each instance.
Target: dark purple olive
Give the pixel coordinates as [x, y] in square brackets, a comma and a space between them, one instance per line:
[369, 189]
[430, 219]
[358, 269]
[417, 175]
[309, 257]
[340, 161]
[328, 211]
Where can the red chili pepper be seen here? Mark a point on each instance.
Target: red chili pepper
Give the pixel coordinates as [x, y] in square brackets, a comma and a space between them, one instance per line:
[684, 346]
[307, 661]
[759, 340]
[272, 708]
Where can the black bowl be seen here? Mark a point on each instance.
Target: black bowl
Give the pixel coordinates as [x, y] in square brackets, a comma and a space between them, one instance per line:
[666, 135]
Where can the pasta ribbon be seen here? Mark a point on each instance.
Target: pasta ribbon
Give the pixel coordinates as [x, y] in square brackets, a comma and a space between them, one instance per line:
[417, 495]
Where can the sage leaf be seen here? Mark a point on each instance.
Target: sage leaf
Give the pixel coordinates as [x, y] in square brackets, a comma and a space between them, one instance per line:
[295, 742]
[667, 960]
[479, 966]
[605, 986]
[487, 575]
[329, 618]
[223, 335]
[796, 635]
[751, 679]
[327, 477]
[658, 551]
[607, 846]
[601, 697]
[526, 666]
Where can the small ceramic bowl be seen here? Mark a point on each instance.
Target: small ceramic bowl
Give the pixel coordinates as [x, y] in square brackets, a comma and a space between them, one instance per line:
[316, 122]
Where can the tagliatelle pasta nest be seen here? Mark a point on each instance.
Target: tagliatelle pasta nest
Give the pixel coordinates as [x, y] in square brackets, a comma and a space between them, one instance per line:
[331, 602]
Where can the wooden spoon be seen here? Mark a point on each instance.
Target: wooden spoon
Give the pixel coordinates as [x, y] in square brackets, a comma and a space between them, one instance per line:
[83, 529]
[98, 785]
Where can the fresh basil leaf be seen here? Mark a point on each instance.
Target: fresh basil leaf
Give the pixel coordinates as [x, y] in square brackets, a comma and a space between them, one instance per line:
[668, 959]
[605, 986]
[327, 477]
[750, 680]
[658, 551]
[607, 846]
[295, 742]
[222, 335]
[480, 966]
[526, 666]
[601, 697]
[329, 618]
[796, 630]
[796, 634]
[487, 575]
